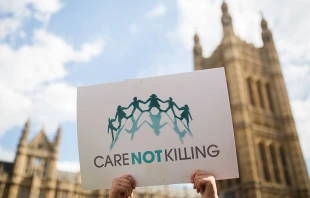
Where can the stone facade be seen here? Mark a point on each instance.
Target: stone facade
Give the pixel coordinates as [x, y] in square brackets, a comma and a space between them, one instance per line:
[270, 159]
[34, 174]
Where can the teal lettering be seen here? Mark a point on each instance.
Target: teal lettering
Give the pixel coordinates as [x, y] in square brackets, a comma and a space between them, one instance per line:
[152, 157]
[158, 152]
[135, 158]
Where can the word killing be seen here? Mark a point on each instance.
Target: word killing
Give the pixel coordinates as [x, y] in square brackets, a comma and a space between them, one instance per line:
[148, 157]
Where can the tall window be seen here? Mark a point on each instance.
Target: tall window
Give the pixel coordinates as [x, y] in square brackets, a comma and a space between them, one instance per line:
[285, 168]
[268, 89]
[41, 195]
[264, 161]
[275, 163]
[251, 95]
[45, 168]
[260, 93]
[64, 194]
[23, 192]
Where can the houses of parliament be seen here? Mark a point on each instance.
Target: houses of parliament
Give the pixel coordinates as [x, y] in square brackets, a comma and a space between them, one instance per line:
[270, 160]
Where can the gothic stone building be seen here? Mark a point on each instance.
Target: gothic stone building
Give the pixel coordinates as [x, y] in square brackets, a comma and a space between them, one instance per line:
[270, 159]
[271, 163]
[34, 175]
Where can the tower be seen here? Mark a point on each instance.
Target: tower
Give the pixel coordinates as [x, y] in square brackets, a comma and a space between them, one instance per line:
[35, 172]
[270, 159]
[19, 162]
[52, 165]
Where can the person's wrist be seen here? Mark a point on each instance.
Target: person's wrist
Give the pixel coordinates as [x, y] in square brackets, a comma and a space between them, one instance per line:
[210, 196]
[113, 194]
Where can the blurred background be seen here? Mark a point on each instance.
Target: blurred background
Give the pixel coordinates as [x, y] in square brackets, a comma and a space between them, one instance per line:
[49, 47]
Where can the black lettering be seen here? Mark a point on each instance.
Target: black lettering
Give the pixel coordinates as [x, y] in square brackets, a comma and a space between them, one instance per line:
[175, 154]
[117, 160]
[193, 156]
[187, 158]
[96, 163]
[108, 160]
[180, 157]
[168, 155]
[124, 163]
[202, 153]
[216, 151]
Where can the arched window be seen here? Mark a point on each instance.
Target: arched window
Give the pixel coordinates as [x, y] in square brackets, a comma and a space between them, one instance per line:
[285, 168]
[268, 89]
[260, 93]
[275, 163]
[264, 161]
[251, 95]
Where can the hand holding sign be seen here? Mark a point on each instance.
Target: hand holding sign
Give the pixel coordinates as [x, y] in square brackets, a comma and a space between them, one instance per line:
[122, 187]
[204, 184]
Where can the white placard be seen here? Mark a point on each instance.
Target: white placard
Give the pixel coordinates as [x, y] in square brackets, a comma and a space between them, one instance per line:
[163, 127]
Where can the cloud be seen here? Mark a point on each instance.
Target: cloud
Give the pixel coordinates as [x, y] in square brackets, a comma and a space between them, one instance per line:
[6, 155]
[23, 10]
[301, 112]
[55, 104]
[30, 78]
[32, 75]
[8, 26]
[68, 166]
[158, 11]
[133, 28]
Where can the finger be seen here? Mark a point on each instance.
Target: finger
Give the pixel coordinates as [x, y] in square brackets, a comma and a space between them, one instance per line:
[122, 190]
[127, 183]
[193, 176]
[127, 186]
[132, 180]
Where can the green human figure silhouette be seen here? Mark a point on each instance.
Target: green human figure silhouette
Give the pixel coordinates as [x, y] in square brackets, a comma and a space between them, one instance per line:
[111, 127]
[153, 102]
[185, 114]
[155, 125]
[120, 113]
[171, 104]
[135, 127]
[135, 105]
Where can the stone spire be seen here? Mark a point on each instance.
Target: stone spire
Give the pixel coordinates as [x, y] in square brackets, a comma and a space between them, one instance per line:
[23, 139]
[197, 51]
[226, 20]
[197, 47]
[57, 138]
[266, 33]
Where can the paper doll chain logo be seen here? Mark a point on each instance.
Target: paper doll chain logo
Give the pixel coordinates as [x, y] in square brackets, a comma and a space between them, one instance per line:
[155, 119]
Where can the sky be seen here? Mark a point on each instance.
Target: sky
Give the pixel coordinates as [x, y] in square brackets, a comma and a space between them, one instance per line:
[48, 48]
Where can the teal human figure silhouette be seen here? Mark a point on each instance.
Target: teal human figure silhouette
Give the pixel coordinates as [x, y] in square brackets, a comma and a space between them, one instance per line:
[136, 105]
[121, 114]
[117, 134]
[153, 102]
[155, 125]
[111, 127]
[135, 127]
[185, 114]
[177, 129]
[171, 104]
